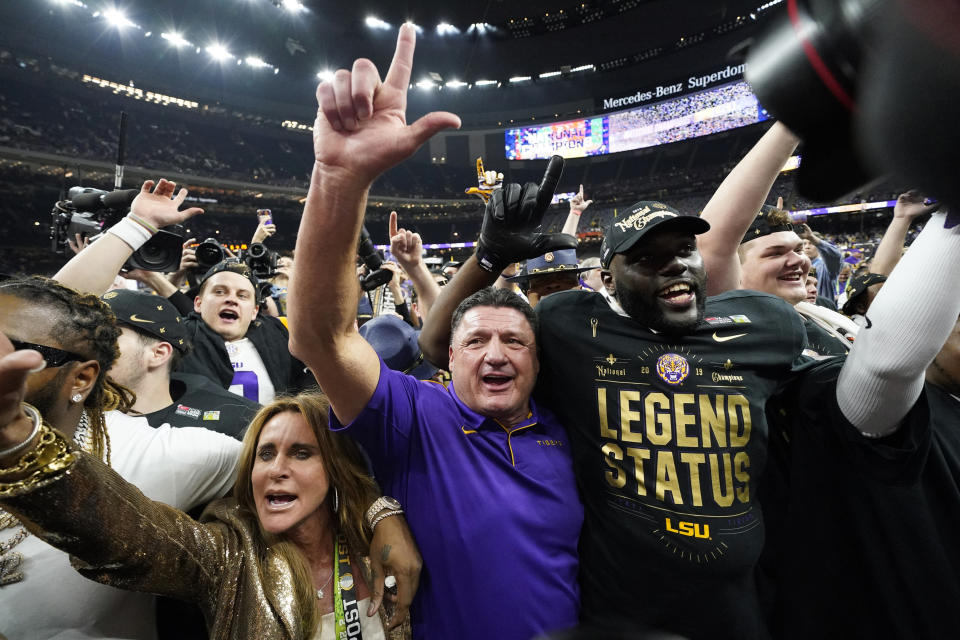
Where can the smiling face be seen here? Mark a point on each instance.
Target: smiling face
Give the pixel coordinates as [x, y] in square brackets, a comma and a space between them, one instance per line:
[776, 264]
[660, 282]
[227, 304]
[289, 480]
[493, 363]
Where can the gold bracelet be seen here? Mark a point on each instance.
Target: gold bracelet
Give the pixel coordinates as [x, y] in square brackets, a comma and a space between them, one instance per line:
[37, 457]
[38, 479]
[54, 455]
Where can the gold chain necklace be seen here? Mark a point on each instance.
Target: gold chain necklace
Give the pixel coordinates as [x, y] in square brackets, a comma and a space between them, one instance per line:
[10, 560]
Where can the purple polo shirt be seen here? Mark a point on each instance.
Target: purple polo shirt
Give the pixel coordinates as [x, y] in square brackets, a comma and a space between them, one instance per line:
[496, 515]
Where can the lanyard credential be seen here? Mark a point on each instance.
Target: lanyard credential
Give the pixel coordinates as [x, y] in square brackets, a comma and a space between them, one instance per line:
[346, 611]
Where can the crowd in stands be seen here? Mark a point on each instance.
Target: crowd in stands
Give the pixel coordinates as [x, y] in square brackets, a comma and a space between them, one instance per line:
[688, 415]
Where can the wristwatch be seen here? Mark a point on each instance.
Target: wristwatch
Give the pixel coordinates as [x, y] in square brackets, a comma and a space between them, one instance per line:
[383, 503]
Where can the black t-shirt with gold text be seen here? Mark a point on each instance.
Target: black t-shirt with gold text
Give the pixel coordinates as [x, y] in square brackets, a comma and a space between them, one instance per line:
[669, 438]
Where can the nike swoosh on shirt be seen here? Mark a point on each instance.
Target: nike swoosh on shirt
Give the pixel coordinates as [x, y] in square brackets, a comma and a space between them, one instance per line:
[136, 319]
[725, 338]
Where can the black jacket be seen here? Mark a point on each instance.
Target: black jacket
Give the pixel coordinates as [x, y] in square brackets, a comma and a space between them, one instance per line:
[209, 355]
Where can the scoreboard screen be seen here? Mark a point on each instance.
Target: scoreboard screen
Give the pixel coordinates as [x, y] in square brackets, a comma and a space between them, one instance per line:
[688, 116]
[571, 139]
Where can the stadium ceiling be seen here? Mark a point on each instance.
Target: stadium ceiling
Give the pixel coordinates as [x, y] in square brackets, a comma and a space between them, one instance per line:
[278, 47]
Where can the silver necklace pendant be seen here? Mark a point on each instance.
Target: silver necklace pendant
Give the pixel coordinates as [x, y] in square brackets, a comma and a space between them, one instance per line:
[320, 594]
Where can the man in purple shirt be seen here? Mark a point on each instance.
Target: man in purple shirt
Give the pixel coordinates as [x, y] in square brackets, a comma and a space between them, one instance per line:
[485, 475]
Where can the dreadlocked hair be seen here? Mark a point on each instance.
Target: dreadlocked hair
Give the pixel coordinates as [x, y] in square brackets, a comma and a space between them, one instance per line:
[87, 327]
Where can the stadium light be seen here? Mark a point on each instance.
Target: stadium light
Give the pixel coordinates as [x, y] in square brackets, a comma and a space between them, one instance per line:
[75, 3]
[480, 27]
[516, 79]
[293, 6]
[485, 83]
[376, 23]
[445, 28]
[415, 26]
[585, 67]
[219, 52]
[174, 38]
[117, 18]
[549, 74]
[456, 84]
[255, 62]
[325, 76]
[425, 84]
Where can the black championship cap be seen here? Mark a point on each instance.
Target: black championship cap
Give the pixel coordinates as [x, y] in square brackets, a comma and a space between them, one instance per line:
[639, 220]
[858, 286]
[233, 266]
[149, 314]
[761, 225]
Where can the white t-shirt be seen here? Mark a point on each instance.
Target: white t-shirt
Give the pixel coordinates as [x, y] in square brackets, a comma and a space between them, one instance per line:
[250, 377]
[183, 467]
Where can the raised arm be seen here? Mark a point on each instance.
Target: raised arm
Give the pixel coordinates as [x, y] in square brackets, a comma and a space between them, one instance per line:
[577, 206]
[909, 207]
[407, 248]
[435, 335]
[883, 375]
[93, 269]
[735, 204]
[510, 233]
[61, 496]
[359, 133]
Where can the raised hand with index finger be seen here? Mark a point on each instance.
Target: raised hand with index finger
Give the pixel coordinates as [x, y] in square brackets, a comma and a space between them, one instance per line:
[361, 125]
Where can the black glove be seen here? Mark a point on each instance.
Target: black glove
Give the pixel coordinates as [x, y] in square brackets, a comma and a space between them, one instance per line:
[512, 222]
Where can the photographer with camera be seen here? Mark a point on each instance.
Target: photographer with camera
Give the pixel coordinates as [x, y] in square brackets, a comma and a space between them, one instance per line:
[233, 346]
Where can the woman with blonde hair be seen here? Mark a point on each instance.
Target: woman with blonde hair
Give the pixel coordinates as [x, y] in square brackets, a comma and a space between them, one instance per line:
[281, 559]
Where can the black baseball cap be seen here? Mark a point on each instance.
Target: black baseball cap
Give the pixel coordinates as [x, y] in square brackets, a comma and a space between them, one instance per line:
[233, 266]
[642, 218]
[149, 314]
[761, 225]
[858, 286]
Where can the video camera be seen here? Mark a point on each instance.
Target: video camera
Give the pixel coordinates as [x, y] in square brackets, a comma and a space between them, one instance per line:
[90, 211]
[261, 260]
[373, 259]
[866, 85]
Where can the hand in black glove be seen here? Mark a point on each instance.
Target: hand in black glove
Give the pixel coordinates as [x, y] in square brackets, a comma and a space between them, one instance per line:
[512, 222]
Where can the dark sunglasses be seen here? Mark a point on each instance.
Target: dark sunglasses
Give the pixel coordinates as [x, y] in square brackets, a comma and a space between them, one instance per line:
[52, 356]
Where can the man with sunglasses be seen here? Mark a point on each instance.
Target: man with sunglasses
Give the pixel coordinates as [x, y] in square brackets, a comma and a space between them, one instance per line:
[77, 336]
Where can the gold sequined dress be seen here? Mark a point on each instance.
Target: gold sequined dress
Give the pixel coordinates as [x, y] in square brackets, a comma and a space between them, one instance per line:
[117, 536]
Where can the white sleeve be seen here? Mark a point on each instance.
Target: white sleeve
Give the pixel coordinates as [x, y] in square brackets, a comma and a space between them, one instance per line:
[907, 325]
[201, 464]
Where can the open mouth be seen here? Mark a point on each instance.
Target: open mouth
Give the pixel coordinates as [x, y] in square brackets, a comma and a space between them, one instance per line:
[792, 278]
[229, 316]
[278, 501]
[497, 381]
[680, 294]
